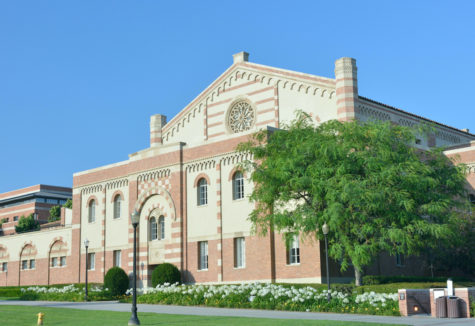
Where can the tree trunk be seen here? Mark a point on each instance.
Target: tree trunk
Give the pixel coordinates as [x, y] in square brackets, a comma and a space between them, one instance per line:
[358, 276]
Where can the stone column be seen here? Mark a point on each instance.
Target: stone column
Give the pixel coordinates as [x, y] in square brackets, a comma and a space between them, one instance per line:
[157, 122]
[346, 88]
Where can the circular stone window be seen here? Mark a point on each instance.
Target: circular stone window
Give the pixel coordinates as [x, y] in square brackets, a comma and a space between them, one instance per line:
[241, 117]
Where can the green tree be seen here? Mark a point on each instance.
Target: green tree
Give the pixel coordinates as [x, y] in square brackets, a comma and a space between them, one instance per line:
[26, 224]
[54, 213]
[374, 190]
[68, 204]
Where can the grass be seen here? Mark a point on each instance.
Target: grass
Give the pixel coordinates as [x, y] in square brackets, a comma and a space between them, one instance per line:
[26, 316]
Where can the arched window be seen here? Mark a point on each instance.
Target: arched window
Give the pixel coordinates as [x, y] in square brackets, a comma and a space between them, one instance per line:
[238, 185]
[202, 192]
[153, 229]
[161, 228]
[92, 211]
[117, 201]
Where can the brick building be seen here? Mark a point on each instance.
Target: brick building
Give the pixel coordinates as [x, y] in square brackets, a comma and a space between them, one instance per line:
[191, 197]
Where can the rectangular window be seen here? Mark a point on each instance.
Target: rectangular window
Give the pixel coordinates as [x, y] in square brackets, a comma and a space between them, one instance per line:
[293, 253]
[62, 261]
[24, 264]
[54, 261]
[203, 255]
[117, 257]
[15, 218]
[239, 252]
[5, 267]
[32, 264]
[91, 261]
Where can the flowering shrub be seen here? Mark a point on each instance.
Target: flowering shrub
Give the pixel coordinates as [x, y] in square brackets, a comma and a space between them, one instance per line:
[73, 292]
[270, 296]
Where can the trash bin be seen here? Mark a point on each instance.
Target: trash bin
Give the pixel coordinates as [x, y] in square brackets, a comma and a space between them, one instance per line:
[453, 307]
[441, 307]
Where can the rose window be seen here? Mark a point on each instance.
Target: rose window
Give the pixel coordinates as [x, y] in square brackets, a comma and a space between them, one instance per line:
[241, 117]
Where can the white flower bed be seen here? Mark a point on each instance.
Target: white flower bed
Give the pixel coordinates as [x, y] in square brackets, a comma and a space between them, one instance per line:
[65, 289]
[270, 291]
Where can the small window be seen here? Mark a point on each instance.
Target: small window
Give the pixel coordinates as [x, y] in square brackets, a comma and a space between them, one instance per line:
[293, 253]
[32, 264]
[238, 185]
[5, 267]
[239, 252]
[62, 261]
[24, 264]
[54, 261]
[15, 218]
[117, 201]
[202, 192]
[203, 255]
[161, 227]
[153, 229]
[92, 211]
[117, 258]
[91, 261]
[399, 260]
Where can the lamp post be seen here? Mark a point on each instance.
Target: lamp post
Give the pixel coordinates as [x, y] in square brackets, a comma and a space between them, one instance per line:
[135, 217]
[325, 230]
[86, 244]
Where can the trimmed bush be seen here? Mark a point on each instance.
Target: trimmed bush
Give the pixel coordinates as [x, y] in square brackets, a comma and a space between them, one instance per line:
[381, 279]
[165, 273]
[116, 280]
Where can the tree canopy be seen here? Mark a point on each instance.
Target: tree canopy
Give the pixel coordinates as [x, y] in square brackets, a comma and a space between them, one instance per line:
[26, 224]
[375, 190]
[54, 213]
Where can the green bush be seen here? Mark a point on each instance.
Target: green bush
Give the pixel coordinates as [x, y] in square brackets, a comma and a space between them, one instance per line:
[26, 224]
[68, 203]
[116, 280]
[165, 273]
[54, 213]
[380, 279]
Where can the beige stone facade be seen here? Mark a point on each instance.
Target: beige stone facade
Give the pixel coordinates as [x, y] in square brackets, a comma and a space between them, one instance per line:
[208, 237]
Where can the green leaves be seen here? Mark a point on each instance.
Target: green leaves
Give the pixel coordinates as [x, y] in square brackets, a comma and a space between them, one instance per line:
[375, 191]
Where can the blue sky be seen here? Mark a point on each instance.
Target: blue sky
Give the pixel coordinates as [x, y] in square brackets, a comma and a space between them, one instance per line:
[80, 79]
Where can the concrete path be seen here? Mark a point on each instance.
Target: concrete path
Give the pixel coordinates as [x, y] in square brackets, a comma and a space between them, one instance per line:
[226, 312]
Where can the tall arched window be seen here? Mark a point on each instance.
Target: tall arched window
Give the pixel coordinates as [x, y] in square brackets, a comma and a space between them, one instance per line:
[202, 192]
[117, 201]
[238, 185]
[92, 211]
[153, 229]
[161, 228]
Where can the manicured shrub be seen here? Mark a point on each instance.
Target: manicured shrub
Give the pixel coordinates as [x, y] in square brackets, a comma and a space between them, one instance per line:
[116, 280]
[381, 279]
[165, 273]
[26, 224]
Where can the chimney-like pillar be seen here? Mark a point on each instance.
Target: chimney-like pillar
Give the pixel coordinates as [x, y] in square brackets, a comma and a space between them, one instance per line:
[346, 88]
[157, 121]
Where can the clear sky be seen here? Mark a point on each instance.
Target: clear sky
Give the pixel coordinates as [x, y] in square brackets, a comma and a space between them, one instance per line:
[80, 79]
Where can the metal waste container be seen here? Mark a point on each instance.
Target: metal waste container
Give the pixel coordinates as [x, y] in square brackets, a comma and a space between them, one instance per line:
[453, 307]
[441, 307]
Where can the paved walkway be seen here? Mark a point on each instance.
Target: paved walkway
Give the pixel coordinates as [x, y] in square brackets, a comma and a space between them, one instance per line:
[207, 311]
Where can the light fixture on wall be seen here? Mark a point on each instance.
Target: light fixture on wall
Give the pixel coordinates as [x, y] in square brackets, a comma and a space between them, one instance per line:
[416, 308]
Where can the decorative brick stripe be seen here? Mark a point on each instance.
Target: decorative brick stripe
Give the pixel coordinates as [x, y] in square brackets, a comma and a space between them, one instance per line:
[269, 99]
[260, 91]
[218, 103]
[215, 124]
[216, 135]
[215, 114]
[259, 112]
[271, 121]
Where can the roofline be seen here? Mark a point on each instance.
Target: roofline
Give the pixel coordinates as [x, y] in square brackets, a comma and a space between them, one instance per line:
[416, 116]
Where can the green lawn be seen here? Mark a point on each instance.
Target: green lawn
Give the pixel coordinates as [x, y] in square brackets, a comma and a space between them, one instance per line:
[26, 316]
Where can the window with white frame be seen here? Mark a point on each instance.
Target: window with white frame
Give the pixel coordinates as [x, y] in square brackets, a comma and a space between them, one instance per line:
[239, 252]
[161, 227]
[62, 261]
[153, 229]
[91, 261]
[54, 262]
[32, 264]
[202, 192]
[4, 267]
[92, 211]
[202, 255]
[24, 264]
[238, 185]
[117, 258]
[293, 253]
[117, 200]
